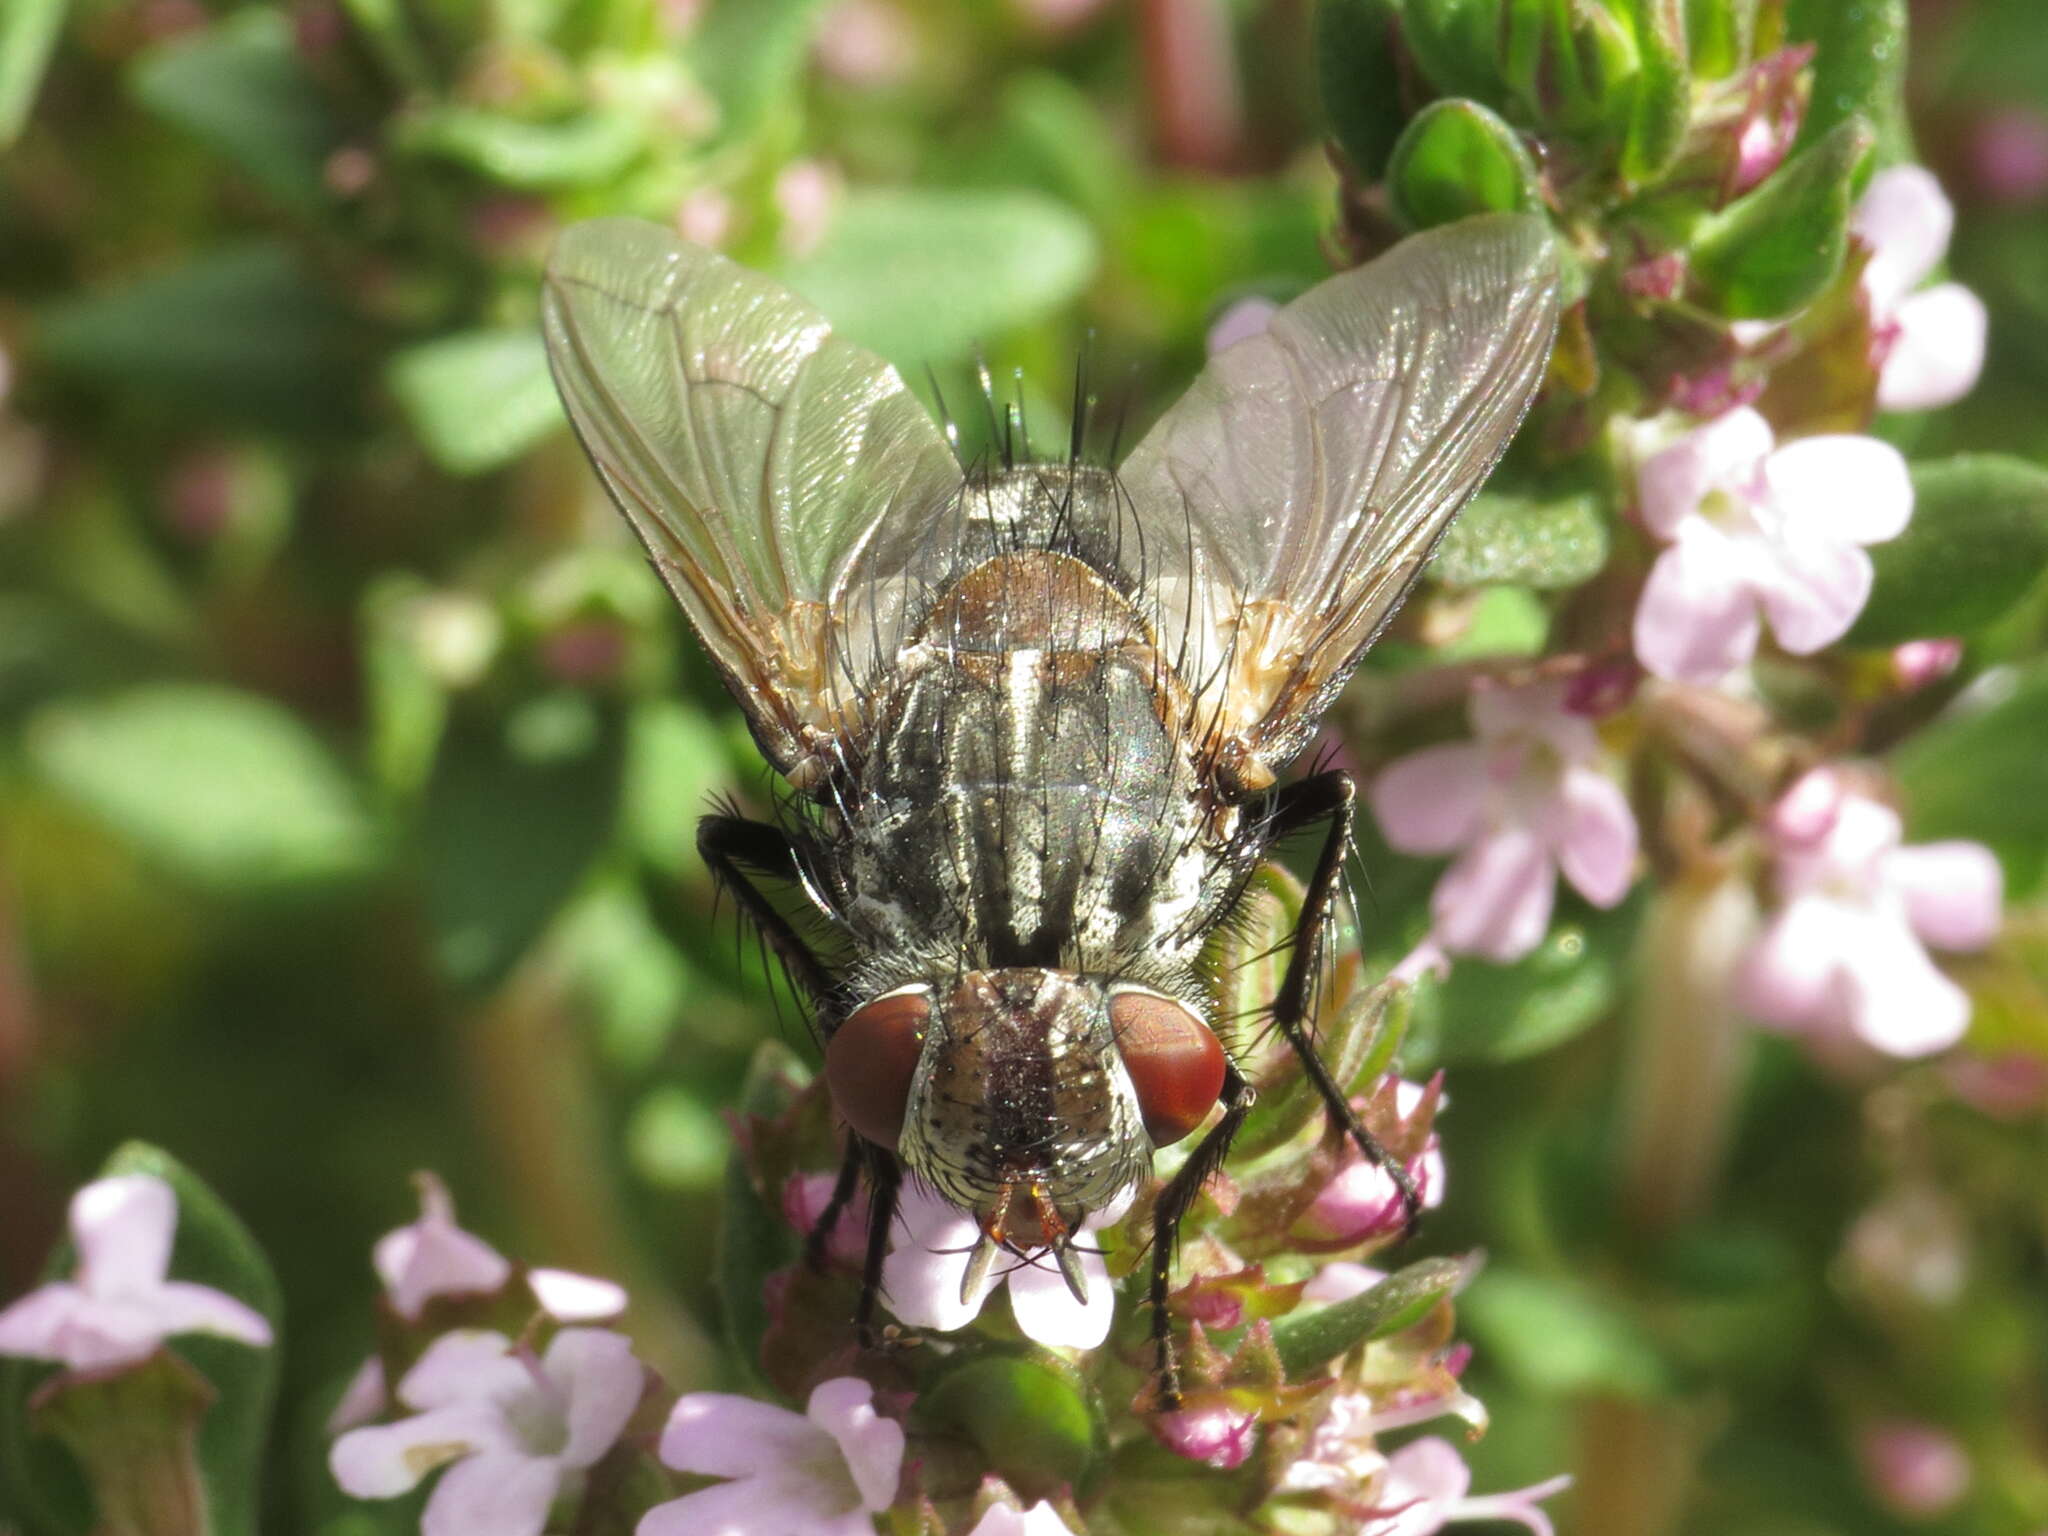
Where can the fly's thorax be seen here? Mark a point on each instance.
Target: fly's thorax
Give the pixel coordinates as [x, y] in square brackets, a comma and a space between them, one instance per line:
[1032, 1097]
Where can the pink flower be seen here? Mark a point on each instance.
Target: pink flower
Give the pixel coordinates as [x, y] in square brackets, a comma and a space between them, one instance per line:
[1917, 663]
[1757, 530]
[1362, 1201]
[511, 1428]
[804, 1198]
[434, 1257]
[806, 194]
[1523, 801]
[922, 1278]
[1218, 1433]
[1919, 1470]
[1930, 344]
[1424, 1489]
[866, 43]
[1041, 1519]
[1244, 319]
[2009, 151]
[1845, 955]
[117, 1307]
[822, 1472]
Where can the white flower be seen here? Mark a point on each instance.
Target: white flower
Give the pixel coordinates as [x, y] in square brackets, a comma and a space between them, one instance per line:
[1758, 531]
[922, 1277]
[1041, 1519]
[510, 1428]
[1523, 801]
[1930, 343]
[117, 1307]
[1424, 1489]
[823, 1472]
[1845, 953]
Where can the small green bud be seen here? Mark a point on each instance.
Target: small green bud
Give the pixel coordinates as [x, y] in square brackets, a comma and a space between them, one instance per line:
[1777, 248]
[1458, 158]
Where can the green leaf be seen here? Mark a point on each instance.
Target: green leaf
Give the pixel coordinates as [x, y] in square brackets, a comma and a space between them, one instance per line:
[1776, 248]
[28, 33]
[1031, 1415]
[1570, 61]
[1859, 68]
[1542, 542]
[226, 790]
[1498, 1013]
[1976, 773]
[1359, 76]
[592, 147]
[676, 763]
[1308, 1341]
[921, 275]
[514, 816]
[238, 333]
[751, 54]
[1457, 158]
[752, 1240]
[211, 1248]
[1720, 35]
[1556, 1336]
[1453, 43]
[1977, 544]
[477, 400]
[239, 88]
[1663, 95]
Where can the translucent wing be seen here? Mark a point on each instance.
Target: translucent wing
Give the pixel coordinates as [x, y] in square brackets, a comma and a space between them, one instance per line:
[1282, 508]
[768, 466]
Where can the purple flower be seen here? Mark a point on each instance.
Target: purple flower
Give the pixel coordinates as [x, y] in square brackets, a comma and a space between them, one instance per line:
[1041, 1519]
[1362, 1201]
[511, 1428]
[435, 1257]
[1219, 1432]
[1919, 1470]
[1845, 955]
[922, 1278]
[117, 1307]
[822, 1472]
[1930, 344]
[1424, 1489]
[1523, 802]
[1756, 530]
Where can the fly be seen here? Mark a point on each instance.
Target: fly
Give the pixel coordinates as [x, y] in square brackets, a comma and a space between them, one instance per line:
[1033, 718]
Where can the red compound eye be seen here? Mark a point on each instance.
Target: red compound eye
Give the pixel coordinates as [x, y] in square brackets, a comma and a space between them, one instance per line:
[870, 1060]
[1175, 1063]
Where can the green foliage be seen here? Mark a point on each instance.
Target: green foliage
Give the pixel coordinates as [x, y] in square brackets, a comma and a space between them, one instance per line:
[1543, 542]
[1977, 773]
[1559, 1335]
[1307, 1342]
[1359, 78]
[1978, 542]
[1029, 1413]
[1775, 249]
[28, 31]
[1454, 159]
[477, 401]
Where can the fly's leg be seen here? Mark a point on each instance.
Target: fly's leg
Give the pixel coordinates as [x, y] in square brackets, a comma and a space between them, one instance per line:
[1327, 797]
[885, 1178]
[730, 846]
[835, 1208]
[1174, 1203]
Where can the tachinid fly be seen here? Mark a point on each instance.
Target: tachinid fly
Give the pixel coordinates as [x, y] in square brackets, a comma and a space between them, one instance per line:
[1032, 717]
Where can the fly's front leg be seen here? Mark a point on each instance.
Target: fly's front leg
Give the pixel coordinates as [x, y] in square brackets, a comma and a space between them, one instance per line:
[843, 1190]
[1174, 1203]
[730, 846]
[1328, 797]
[885, 1179]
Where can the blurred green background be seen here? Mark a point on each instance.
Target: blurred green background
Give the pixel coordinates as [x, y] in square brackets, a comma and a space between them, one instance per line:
[349, 755]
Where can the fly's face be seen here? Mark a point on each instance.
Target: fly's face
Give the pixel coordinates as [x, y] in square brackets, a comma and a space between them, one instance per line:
[1032, 1098]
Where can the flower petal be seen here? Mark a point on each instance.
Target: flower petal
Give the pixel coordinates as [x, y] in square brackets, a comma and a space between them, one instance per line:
[1953, 891]
[717, 1434]
[872, 1445]
[1788, 975]
[182, 1307]
[1697, 620]
[922, 1275]
[1595, 835]
[1906, 220]
[435, 1257]
[1246, 318]
[1046, 1310]
[1814, 593]
[1430, 801]
[1340, 1281]
[363, 1399]
[385, 1460]
[1937, 351]
[1842, 488]
[571, 1298]
[467, 1365]
[1898, 1001]
[1429, 1468]
[1495, 901]
[754, 1506]
[598, 1374]
[122, 1227]
[495, 1494]
[34, 1326]
[1722, 455]
[1041, 1519]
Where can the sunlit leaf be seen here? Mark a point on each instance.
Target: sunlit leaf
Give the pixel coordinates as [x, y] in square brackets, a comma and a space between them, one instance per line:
[28, 32]
[1978, 542]
[477, 400]
[1457, 158]
[1774, 249]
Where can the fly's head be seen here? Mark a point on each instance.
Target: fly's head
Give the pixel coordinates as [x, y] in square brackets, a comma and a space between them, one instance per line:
[1032, 1098]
